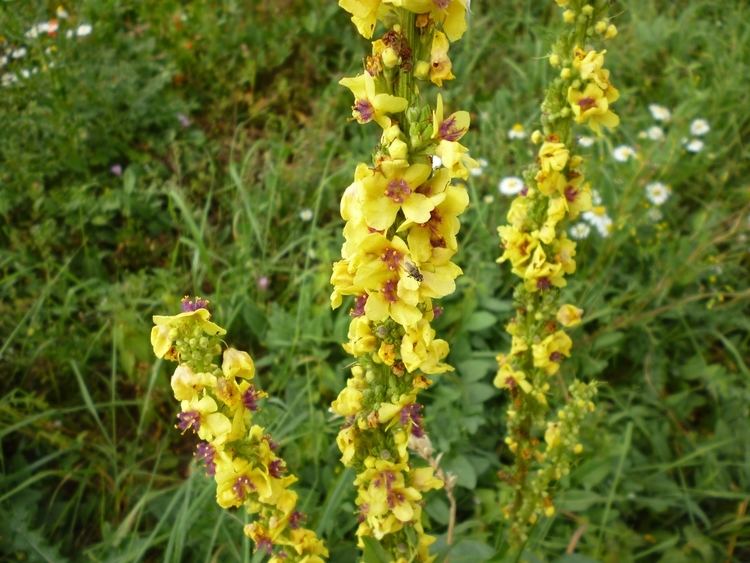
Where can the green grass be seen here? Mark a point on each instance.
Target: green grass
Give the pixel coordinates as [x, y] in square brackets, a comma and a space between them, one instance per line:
[91, 467]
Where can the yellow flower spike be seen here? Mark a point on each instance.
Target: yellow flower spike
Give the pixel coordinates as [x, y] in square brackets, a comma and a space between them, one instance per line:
[400, 236]
[217, 404]
[540, 253]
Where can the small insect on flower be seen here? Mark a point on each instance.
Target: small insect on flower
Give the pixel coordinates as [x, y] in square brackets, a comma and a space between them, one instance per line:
[413, 271]
[699, 127]
[659, 113]
[658, 192]
[623, 153]
[510, 186]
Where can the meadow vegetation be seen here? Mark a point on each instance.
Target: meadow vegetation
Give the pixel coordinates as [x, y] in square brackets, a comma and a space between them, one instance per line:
[197, 147]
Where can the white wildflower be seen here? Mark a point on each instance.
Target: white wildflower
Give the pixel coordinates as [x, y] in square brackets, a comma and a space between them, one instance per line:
[596, 197]
[18, 53]
[699, 127]
[510, 186]
[659, 113]
[658, 192]
[84, 29]
[585, 141]
[623, 153]
[654, 215]
[488, 199]
[517, 132]
[306, 215]
[580, 231]
[695, 145]
[437, 162]
[655, 133]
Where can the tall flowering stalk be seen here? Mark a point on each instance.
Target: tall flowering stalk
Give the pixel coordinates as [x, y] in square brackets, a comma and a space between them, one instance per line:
[217, 404]
[535, 244]
[401, 216]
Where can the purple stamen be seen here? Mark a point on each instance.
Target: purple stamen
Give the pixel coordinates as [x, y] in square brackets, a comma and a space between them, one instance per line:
[555, 357]
[242, 486]
[276, 468]
[364, 109]
[250, 398]
[398, 190]
[437, 311]
[359, 306]
[264, 543]
[189, 305]
[296, 519]
[189, 420]
[449, 131]
[543, 283]
[411, 415]
[205, 452]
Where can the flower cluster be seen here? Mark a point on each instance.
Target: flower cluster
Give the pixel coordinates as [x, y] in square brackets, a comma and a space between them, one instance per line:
[536, 244]
[217, 404]
[401, 217]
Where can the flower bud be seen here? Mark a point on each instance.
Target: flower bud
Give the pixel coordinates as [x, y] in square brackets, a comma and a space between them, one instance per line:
[390, 57]
[422, 70]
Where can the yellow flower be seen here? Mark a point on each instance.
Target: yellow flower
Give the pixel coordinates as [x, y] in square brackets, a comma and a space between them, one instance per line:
[237, 363]
[509, 378]
[163, 335]
[349, 401]
[541, 275]
[385, 195]
[569, 315]
[423, 479]
[455, 157]
[553, 156]
[517, 245]
[346, 440]
[396, 298]
[592, 106]
[420, 350]
[452, 128]
[441, 64]
[364, 14]
[369, 105]
[451, 14]
[361, 339]
[549, 352]
[556, 208]
[213, 426]
[187, 385]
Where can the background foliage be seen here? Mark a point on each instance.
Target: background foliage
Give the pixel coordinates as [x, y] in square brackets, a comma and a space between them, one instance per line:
[171, 151]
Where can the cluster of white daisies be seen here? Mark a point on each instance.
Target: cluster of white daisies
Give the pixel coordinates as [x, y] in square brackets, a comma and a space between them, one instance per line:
[47, 28]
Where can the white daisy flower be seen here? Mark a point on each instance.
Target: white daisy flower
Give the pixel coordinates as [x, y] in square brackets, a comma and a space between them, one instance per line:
[699, 127]
[511, 185]
[580, 231]
[655, 133]
[8, 78]
[596, 197]
[695, 145]
[658, 192]
[437, 162]
[659, 113]
[306, 215]
[18, 53]
[84, 29]
[600, 221]
[585, 141]
[623, 153]
[479, 170]
[655, 215]
[3, 61]
[517, 132]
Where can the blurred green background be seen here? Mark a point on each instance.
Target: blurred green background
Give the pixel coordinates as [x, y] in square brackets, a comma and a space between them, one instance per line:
[151, 149]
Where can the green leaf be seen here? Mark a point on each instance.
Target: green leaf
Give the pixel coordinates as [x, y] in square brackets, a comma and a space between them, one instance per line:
[464, 471]
[480, 320]
[474, 370]
[374, 552]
